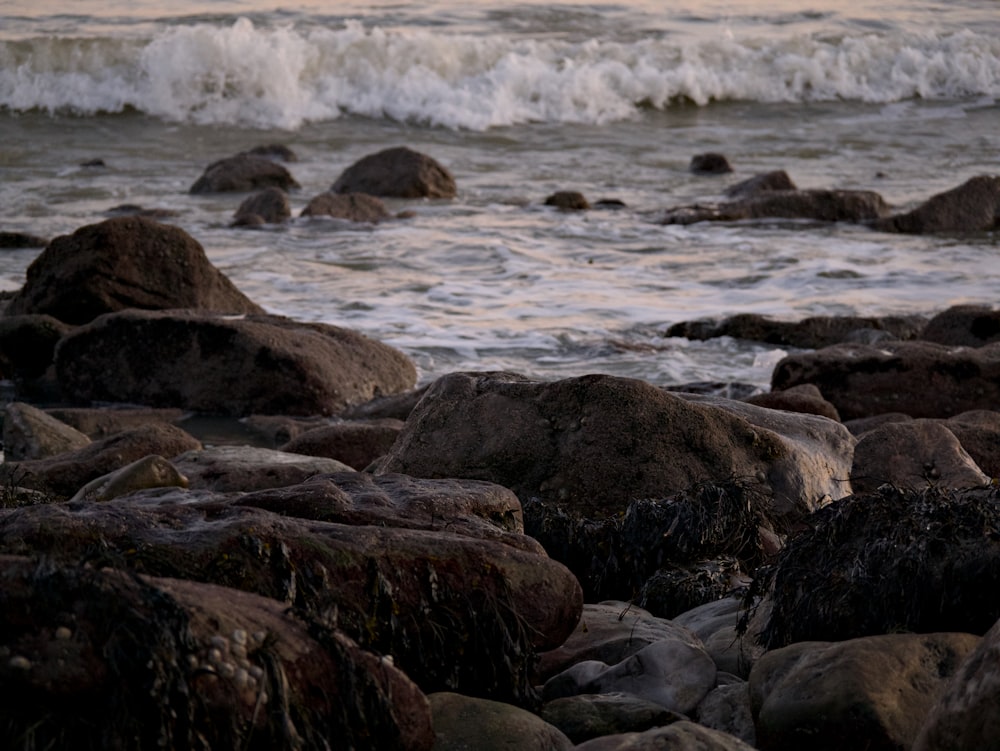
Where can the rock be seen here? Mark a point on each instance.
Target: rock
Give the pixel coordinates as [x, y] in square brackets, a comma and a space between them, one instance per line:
[913, 455]
[973, 206]
[241, 174]
[919, 379]
[28, 343]
[883, 562]
[809, 333]
[863, 206]
[21, 240]
[462, 723]
[979, 433]
[862, 425]
[353, 207]
[727, 709]
[964, 326]
[185, 665]
[151, 471]
[101, 422]
[568, 200]
[134, 209]
[245, 468]
[964, 716]
[872, 692]
[393, 406]
[717, 624]
[30, 433]
[64, 474]
[356, 444]
[672, 673]
[123, 263]
[454, 612]
[683, 736]
[805, 399]
[274, 431]
[587, 716]
[222, 365]
[610, 632]
[775, 180]
[270, 205]
[710, 163]
[397, 173]
[274, 151]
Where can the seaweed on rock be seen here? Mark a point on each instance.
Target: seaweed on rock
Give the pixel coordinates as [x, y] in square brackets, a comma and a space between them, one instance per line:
[889, 561]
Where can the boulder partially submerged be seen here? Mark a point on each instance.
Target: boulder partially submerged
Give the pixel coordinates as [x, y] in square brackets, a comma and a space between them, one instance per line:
[397, 173]
[241, 174]
[973, 206]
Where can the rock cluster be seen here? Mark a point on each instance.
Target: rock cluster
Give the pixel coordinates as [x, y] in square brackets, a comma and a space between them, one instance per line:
[241, 531]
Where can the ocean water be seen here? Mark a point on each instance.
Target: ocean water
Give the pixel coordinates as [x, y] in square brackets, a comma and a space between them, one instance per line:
[519, 100]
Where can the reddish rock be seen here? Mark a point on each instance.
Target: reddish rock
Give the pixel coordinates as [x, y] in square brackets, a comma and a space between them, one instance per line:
[352, 207]
[269, 205]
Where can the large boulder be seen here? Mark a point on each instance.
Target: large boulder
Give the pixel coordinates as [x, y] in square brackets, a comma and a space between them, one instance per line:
[862, 206]
[128, 262]
[965, 716]
[226, 365]
[919, 379]
[397, 173]
[352, 207]
[456, 612]
[973, 206]
[883, 562]
[176, 664]
[871, 693]
[241, 174]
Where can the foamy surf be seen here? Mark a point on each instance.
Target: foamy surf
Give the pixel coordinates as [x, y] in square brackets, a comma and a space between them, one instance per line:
[250, 76]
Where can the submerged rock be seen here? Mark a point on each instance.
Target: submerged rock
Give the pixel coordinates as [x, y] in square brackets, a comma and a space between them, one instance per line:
[568, 200]
[775, 180]
[353, 207]
[270, 206]
[241, 174]
[398, 173]
[710, 163]
[973, 206]
[862, 206]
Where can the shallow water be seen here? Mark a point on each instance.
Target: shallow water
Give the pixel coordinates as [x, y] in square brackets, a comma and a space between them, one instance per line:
[519, 101]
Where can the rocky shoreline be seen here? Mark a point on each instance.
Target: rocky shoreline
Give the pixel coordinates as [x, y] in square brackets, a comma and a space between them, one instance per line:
[226, 529]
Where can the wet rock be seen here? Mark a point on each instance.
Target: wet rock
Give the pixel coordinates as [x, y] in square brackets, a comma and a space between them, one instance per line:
[123, 263]
[964, 326]
[727, 709]
[356, 444]
[860, 206]
[964, 716]
[568, 200]
[805, 399]
[862, 425]
[809, 333]
[676, 588]
[752, 186]
[920, 379]
[887, 561]
[64, 474]
[30, 433]
[871, 692]
[672, 673]
[151, 471]
[913, 455]
[241, 174]
[392, 406]
[270, 205]
[710, 163]
[397, 173]
[222, 365]
[717, 624]
[973, 206]
[352, 207]
[21, 240]
[587, 716]
[463, 722]
[610, 632]
[274, 431]
[186, 665]
[678, 735]
[101, 422]
[246, 468]
[455, 612]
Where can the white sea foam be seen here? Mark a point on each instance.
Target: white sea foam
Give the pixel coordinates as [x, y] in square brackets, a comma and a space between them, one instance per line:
[283, 77]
